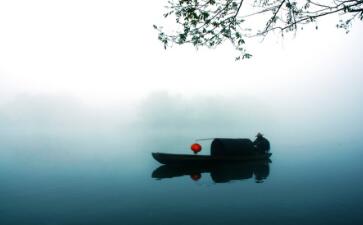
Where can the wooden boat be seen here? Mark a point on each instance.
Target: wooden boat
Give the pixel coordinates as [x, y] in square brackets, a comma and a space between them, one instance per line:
[185, 159]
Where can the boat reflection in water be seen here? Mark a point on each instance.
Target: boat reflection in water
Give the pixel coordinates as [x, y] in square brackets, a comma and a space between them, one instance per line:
[220, 173]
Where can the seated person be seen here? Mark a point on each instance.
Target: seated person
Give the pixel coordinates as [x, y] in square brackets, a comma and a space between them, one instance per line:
[261, 143]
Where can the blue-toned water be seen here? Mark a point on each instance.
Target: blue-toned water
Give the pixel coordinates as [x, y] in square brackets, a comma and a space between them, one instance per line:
[96, 178]
[65, 163]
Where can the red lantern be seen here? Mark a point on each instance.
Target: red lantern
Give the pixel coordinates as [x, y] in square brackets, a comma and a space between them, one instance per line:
[196, 176]
[196, 148]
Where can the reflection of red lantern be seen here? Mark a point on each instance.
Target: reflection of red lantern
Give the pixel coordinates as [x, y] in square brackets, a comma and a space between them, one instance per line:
[196, 148]
[196, 176]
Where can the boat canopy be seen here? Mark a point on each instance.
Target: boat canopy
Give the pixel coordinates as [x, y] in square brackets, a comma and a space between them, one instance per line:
[231, 147]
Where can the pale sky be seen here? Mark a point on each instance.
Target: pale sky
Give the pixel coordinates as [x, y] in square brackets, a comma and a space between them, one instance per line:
[58, 58]
[107, 51]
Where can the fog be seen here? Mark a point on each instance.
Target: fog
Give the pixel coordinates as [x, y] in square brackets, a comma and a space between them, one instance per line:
[93, 74]
[165, 116]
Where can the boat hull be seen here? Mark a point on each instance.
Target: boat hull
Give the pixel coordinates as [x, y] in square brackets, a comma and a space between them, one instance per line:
[184, 159]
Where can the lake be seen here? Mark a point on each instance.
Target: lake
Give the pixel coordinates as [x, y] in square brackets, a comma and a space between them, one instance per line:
[97, 177]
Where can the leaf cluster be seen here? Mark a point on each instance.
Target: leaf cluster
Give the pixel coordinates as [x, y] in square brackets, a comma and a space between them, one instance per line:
[212, 22]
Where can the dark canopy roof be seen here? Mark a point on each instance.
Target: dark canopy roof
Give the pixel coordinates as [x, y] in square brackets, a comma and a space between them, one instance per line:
[231, 147]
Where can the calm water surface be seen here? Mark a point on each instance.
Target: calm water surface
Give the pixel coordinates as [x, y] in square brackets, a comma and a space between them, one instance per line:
[65, 178]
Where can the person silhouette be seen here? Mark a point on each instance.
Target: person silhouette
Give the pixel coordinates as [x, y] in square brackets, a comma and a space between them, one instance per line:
[261, 143]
